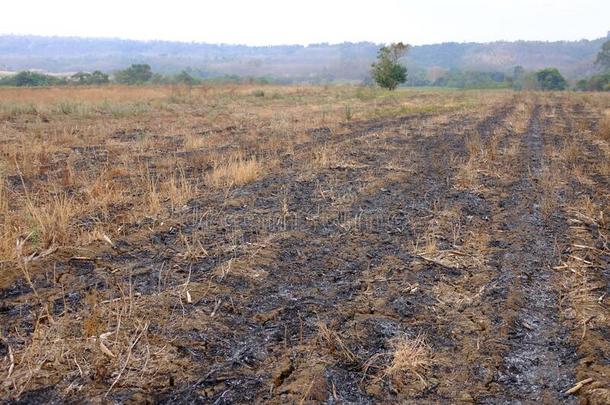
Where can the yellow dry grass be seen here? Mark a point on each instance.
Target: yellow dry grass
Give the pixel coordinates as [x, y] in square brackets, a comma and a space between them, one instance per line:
[410, 357]
[179, 189]
[193, 141]
[236, 171]
[50, 222]
[604, 126]
[3, 199]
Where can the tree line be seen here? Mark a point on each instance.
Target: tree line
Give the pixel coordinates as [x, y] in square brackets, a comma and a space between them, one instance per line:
[136, 74]
[322, 62]
[388, 72]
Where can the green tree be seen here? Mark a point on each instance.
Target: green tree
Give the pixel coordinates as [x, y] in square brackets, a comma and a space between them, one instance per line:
[135, 74]
[99, 77]
[158, 78]
[551, 79]
[518, 77]
[603, 57]
[595, 83]
[388, 72]
[95, 78]
[184, 78]
[80, 77]
[31, 79]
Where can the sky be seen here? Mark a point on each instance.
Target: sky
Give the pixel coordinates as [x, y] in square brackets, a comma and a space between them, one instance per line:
[274, 22]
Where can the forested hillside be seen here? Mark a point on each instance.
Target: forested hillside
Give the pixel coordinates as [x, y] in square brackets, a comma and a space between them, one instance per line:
[314, 63]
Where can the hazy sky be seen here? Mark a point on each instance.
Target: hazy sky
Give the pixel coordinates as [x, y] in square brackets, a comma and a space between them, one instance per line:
[303, 22]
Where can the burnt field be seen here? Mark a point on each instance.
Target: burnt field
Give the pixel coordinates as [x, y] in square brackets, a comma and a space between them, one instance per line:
[304, 245]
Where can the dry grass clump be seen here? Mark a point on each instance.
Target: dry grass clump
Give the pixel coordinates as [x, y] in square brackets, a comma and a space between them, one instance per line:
[603, 167]
[323, 158]
[237, 170]
[481, 156]
[3, 199]
[587, 305]
[571, 152]
[474, 145]
[510, 150]
[467, 174]
[334, 343]
[604, 127]
[153, 195]
[101, 191]
[485, 152]
[179, 189]
[6, 242]
[491, 148]
[549, 183]
[175, 188]
[51, 219]
[406, 361]
[410, 357]
[518, 119]
[195, 141]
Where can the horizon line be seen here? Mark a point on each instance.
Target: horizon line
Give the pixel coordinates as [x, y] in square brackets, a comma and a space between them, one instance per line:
[118, 38]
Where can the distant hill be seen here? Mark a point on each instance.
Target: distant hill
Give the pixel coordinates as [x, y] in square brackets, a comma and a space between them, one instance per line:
[319, 62]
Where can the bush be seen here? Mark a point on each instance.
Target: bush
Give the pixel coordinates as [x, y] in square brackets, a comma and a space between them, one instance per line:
[473, 80]
[595, 83]
[31, 79]
[158, 78]
[551, 79]
[95, 78]
[135, 74]
[185, 78]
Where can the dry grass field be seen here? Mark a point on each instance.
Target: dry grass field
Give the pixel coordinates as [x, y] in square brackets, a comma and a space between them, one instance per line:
[244, 244]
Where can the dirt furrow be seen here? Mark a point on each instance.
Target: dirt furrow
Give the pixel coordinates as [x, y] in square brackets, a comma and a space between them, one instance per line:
[538, 363]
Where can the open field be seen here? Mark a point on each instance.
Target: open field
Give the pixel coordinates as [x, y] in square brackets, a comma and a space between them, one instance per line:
[304, 244]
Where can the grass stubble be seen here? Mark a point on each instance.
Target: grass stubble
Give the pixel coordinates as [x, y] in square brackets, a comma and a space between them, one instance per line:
[83, 168]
